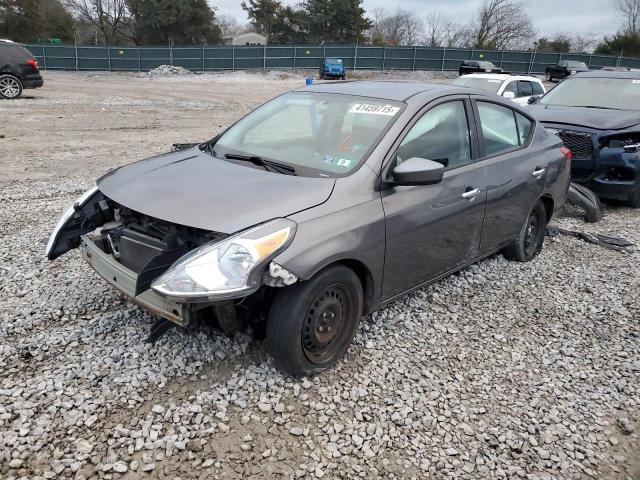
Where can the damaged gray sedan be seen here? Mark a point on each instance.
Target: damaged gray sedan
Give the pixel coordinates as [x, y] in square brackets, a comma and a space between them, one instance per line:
[320, 206]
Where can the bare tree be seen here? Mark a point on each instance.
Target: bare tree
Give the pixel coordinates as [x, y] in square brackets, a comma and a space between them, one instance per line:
[629, 11]
[459, 36]
[503, 24]
[229, 26]
[400, 28]
[110, 17]
[437, 27]
[583, 42]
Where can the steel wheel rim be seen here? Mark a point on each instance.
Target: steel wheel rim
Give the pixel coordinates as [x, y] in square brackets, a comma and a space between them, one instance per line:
[532, 233]
[9, 87]
[325, 324]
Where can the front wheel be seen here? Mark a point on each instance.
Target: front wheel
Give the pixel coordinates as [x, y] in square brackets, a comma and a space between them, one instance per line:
[531, 237]
[311, 324]
[634, 197]
[10, 87]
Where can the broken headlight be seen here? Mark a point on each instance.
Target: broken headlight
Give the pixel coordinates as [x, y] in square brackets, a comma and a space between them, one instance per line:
[228, 268]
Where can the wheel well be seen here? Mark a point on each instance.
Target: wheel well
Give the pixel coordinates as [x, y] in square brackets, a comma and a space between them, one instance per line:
[366, 279]
[548, 206]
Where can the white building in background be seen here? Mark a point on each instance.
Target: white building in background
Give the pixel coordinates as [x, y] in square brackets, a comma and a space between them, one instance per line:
[247, 38]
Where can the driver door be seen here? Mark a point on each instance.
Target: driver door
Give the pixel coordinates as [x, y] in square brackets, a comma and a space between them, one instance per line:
[433, 229]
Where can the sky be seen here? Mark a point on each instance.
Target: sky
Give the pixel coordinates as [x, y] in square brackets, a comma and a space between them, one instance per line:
[549, 16]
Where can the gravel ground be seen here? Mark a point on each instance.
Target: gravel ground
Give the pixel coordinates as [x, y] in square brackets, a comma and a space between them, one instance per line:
[504, 370]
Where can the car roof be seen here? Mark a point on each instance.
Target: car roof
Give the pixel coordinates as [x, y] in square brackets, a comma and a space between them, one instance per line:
[386, 89]
[606, 74]
[502, 76]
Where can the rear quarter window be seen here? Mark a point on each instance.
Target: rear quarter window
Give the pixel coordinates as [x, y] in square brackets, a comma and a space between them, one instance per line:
[537, 88]
[15, 52]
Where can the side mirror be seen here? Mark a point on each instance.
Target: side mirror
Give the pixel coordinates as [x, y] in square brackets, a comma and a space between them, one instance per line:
[509, 95]
[418, 171]
[533, 99]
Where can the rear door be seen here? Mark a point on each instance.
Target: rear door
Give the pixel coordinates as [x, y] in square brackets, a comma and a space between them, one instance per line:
[516, 174]
[432, 229]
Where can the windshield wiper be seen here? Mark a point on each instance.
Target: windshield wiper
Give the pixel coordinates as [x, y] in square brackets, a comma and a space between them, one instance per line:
[268, 165]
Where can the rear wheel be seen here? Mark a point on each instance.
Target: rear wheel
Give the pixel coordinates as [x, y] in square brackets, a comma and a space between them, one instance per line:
[549, 78]
[10, 87]
[531, 237]
[311, 324]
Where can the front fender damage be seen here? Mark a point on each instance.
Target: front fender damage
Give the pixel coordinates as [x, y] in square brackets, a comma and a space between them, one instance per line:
[89, 212]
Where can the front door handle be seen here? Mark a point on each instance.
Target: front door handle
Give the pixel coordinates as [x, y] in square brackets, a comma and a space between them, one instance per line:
[470, 194]
[538, 172]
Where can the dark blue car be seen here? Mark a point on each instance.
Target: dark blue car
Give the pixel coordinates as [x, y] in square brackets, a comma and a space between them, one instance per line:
[332, 68]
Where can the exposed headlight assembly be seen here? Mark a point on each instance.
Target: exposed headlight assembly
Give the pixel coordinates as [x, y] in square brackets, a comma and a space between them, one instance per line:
[228, 268]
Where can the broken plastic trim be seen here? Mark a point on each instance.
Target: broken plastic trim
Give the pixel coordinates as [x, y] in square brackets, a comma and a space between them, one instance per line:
[278, 276]
[584, 198]
[612, 243]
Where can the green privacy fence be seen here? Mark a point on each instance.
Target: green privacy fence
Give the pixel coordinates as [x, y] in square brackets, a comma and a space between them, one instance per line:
[209, 58]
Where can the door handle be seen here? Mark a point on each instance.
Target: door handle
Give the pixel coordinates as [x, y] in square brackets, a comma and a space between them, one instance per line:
[470, 194]
[538, 172]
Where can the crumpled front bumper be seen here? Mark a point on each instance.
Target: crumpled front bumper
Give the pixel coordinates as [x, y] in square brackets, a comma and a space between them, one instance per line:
[124, 280]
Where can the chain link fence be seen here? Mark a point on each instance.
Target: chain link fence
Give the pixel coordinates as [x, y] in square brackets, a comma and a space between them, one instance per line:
[212, 58]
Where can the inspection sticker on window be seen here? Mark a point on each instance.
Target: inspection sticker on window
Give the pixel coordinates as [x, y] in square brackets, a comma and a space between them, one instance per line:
[343, 162]
[371, 109]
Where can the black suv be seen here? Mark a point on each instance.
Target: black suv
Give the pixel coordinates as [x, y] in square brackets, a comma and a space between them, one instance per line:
[478, 66]
[18, 70]
[564, 69]
[597, 116]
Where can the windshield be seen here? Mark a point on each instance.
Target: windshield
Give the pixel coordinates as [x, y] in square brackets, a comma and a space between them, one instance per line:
[491, 85]
[319, 134]
[486, 65]
[334, 61]
[617, 93]
[577, 65]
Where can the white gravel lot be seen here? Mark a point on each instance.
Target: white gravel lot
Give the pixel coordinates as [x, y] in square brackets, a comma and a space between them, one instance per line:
[504, 370]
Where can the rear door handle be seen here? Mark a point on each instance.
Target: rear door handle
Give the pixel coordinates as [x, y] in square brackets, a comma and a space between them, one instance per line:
[470, 194]
[538, 172]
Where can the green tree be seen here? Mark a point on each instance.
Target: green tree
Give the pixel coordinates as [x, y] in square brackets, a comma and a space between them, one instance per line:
[335, 21]
[558, 44]
[32, 20]
[625, 43]
[264, 16]
[173, 21]
[56, 21]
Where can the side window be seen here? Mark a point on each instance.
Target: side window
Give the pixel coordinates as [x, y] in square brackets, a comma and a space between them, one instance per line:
[511, 87]
[498, 128]
[441, 135]
[537, 88]
[525, 127]
[525, 88]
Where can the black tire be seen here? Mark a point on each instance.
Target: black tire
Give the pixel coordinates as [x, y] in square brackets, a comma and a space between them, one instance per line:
[531, 237]
[549, 78]
[342, 77]
[634, 197]
[321, 76]
[10, 87]
[311, 324]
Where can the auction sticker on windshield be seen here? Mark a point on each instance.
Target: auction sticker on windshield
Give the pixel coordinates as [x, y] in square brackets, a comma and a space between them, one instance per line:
[388, 110]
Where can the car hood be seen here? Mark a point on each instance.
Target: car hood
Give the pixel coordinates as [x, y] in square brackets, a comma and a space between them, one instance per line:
[192, 188]
[586, 117]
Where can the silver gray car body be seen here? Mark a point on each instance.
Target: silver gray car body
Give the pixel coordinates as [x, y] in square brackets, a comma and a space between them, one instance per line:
[396, 238]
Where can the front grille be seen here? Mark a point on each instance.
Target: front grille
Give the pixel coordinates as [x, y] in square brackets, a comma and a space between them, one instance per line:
[580, 144]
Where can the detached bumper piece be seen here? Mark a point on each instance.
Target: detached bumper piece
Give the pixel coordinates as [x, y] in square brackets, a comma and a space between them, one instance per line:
[587, 200]
[125, 281]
